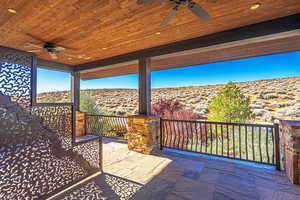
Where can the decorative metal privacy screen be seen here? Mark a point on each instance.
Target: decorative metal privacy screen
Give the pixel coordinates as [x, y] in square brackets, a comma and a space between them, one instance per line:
[37, 156]
[16, 75]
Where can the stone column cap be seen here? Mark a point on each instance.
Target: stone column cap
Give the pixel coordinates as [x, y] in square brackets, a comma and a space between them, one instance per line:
[144, 116]
[292, 123]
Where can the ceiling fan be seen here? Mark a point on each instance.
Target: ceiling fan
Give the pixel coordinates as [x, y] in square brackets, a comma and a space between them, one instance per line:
[51, 48]
[191, 5]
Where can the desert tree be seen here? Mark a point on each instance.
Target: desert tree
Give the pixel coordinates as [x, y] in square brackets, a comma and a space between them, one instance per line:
[230, 105]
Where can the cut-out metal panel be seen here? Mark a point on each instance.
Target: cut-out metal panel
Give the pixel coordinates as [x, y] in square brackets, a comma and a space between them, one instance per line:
[37, 156]
[17, 71]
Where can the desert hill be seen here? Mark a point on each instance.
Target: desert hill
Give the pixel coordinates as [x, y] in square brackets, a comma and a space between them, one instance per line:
[271, 98]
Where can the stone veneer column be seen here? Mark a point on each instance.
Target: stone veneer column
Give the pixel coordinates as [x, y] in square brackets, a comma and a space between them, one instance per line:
[80, 123]
[144, 134]
[290, 149]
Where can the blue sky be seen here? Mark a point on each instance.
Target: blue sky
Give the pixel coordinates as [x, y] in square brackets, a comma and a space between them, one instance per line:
[265, 67]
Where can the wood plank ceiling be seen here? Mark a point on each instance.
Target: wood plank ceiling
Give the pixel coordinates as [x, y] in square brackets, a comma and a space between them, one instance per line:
[104, 28]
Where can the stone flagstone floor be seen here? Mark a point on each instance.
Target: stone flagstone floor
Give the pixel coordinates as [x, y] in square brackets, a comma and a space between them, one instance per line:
[173, 176]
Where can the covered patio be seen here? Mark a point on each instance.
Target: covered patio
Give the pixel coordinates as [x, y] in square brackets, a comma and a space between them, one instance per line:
[51, 151]
[176, 175]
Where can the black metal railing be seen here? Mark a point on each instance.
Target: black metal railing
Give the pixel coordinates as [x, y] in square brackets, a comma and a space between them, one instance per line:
[108, 126]
[251, 142]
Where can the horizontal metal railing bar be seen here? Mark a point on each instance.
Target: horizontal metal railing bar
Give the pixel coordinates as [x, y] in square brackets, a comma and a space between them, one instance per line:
[222, 123]
[235, 158]
[76, 143]
[107, 116]
[52, 104]
[64, 114]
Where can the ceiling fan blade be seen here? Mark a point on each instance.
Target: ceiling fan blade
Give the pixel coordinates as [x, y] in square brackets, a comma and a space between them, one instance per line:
[74, 56]
[68, 55]
[29, 44]
[53, 55]
[169, 16]
[35, 51]
[198, 11]
[35, 37]
[87, 58]
[59, 48]
[151, 1]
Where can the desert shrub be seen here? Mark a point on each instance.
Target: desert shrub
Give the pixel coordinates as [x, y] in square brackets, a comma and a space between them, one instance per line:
[172, 109]
[230, 105]
[100, 125]
[182, 133]
[88, 104]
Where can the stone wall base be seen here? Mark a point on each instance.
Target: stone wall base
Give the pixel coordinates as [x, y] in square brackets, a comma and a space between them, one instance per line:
[144, 134]
[80, 124]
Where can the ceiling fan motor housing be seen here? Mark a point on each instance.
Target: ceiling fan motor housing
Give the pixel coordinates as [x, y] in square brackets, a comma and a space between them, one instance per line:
[179, 2]
[50, 46]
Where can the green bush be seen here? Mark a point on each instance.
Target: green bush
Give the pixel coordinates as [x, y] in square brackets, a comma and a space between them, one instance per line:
[102, 125]
[230, 105]
[88, 104]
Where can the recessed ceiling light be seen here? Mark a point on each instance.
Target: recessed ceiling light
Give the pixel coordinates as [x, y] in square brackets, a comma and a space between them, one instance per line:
[104, 48]
[157, 33]
[12, 10]
[255, 6]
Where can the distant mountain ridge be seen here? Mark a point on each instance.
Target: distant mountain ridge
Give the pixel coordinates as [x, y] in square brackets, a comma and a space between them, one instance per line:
[270, 98]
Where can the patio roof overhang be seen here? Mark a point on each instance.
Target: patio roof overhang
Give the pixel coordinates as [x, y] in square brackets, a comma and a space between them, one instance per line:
[119, 38]
[116, 34]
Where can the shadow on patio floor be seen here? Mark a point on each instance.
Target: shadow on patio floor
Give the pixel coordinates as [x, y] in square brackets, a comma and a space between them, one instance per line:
[173, 176]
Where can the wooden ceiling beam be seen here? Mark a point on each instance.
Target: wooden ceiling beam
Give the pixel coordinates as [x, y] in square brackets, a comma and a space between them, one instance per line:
[268, 45]
[41, 63]
[279, 25]
[54, 65]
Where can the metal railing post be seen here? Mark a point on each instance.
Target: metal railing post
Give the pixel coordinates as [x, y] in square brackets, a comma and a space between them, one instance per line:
[85, 123]
[277, 146]
[161, 133]
[73, 119]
